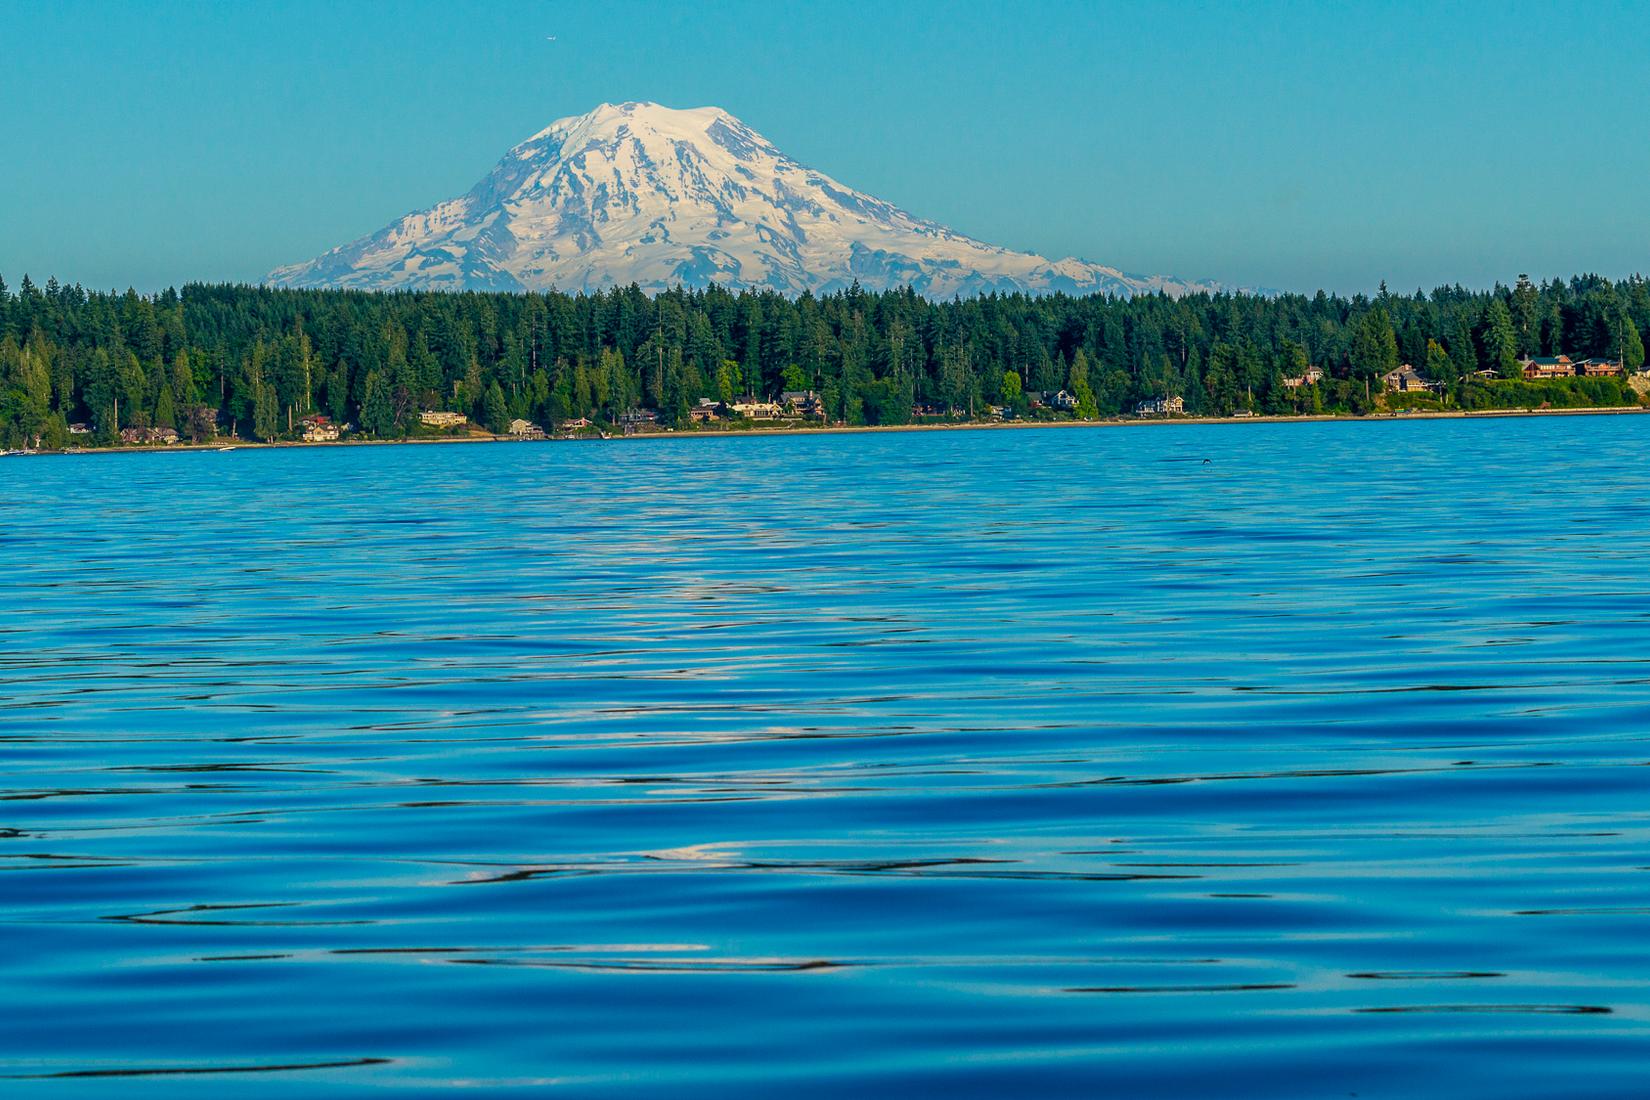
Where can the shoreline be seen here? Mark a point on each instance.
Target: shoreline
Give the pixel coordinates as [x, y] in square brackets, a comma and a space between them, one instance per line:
[855, 429]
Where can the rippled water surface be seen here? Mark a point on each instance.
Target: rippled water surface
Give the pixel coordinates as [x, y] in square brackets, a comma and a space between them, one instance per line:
[1262, 760]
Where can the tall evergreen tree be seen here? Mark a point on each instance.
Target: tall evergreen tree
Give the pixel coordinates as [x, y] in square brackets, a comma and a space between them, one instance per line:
[1374, 349]
[1500, 340]
[266, 412]
[496, 412]
[377, 412]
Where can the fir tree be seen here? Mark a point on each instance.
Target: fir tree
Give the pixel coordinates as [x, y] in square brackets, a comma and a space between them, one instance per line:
[377, 412]
[1374, 349]
[496, 414]
[1500, 340]
[266, 412]
[165, 414]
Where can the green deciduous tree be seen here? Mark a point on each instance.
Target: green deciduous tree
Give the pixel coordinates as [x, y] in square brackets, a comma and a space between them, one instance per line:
[1081, 391]
[1011, 386]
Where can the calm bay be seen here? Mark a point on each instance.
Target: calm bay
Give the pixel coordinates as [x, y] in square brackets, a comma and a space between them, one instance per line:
[1305, 758]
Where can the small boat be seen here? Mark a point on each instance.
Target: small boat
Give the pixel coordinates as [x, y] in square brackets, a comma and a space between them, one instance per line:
[225, 450]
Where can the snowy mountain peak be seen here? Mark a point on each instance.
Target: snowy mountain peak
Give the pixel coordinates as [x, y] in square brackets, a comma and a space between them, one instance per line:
[641, 193]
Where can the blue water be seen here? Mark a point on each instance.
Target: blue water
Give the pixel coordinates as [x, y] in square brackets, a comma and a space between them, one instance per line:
[1299, 760]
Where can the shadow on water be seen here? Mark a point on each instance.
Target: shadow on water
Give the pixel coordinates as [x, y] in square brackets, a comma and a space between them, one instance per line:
[186, 1071]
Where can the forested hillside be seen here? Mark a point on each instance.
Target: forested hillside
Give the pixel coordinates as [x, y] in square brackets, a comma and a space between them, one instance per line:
[211, 356]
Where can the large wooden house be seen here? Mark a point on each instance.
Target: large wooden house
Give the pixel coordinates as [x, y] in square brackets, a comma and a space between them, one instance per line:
[1599, 368]
[1542, 367]
[1405, 379]
[805, 403]
[705, 411]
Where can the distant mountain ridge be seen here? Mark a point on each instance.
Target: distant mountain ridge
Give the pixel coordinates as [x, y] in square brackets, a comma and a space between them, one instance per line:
[639, 193]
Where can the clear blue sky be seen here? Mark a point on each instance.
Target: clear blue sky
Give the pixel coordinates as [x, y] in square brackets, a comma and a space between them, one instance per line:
[1292, 145]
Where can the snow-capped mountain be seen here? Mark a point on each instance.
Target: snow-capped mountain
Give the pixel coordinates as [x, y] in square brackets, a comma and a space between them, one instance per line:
[639, 193]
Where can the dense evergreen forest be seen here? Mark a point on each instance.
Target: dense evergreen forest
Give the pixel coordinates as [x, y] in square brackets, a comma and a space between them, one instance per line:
[214, 358]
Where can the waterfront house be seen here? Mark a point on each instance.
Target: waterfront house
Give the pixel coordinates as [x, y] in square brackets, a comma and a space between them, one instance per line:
[707, 410]
[148, 436]
[576, 422]
[1063, 401]
[1599, 368]
[755, 410]
[1405, 379]
[319, 429]
[1172, 405]
[1311, 377]
[635, 420]
[1556, 366]
[525, 429]
[438, 418]
[804, 403]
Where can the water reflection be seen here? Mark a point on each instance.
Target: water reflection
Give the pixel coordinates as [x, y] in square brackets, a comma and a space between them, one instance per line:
[938, 763]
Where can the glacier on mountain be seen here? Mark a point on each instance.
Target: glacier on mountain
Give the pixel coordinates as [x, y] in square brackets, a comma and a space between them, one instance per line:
[639, 193]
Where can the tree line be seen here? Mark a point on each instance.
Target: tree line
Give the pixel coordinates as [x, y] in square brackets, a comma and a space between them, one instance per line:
[214, 359]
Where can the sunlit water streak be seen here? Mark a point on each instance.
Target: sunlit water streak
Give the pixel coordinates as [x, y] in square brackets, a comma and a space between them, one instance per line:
[957, 763]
